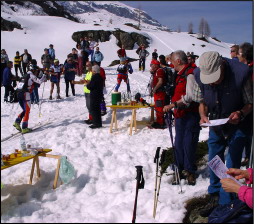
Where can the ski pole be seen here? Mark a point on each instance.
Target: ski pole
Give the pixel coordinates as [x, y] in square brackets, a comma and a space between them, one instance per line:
[41, 100]
[111, 91]
[156, 160]
[162, 160]
[140, 185]
[169, 116]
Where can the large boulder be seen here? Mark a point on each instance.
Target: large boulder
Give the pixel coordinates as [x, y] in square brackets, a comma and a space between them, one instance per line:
[97, 35]
[9, 25]
[123, 38]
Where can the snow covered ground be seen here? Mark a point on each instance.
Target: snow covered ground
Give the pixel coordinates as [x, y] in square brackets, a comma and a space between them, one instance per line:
[104, 187]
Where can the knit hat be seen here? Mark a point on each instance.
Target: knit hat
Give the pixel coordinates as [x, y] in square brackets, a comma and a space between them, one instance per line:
[210, 67]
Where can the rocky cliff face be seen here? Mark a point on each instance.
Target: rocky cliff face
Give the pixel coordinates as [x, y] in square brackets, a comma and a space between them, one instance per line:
[9, 25]
[124, 38]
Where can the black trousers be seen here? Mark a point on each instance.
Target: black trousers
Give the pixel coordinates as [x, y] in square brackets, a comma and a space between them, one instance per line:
[95, 107]
[142, 63]
[24, 67]
[9, 89]
[18, 67]
[67, 82]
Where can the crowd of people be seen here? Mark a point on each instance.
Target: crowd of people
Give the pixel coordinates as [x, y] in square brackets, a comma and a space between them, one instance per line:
[218, 88]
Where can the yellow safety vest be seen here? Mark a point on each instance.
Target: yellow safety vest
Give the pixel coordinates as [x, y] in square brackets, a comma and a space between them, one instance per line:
[88, 77]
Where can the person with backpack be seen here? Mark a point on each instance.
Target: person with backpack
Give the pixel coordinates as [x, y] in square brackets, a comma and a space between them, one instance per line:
[23, 94]
[8, 77]
[143, 54]
[187, 118]
[4, 60]
[158, 92]
[69, 75]
[98, 56]
[46, 59]
[169, 78]
[55, 75]
[121, 53]
[26, 59]
[123, 69]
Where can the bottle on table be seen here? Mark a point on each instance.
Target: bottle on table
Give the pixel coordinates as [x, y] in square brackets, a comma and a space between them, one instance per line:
[23, 146]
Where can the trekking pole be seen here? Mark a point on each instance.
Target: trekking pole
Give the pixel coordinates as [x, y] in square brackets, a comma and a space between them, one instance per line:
[159, 186]
[140, 185]
[111, 91]
[156, 160]
[169, 116]
[41, 100]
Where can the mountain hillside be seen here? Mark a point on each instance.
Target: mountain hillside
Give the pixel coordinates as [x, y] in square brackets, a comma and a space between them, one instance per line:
[103, 190]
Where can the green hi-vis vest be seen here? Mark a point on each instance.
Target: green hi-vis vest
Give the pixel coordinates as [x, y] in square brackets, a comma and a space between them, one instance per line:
[88, 77]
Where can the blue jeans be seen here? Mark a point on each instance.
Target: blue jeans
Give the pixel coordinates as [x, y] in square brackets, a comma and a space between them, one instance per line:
[217, 146]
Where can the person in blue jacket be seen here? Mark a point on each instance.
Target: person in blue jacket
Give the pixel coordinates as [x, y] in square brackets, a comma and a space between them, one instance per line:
[98, 56]
[8, 77]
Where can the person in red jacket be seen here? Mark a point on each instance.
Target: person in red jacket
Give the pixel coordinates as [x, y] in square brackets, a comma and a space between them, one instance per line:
[159, 93]
[186, 117]
[121, 53]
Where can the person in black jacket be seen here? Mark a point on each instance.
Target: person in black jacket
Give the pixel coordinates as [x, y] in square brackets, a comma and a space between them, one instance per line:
[96, 95]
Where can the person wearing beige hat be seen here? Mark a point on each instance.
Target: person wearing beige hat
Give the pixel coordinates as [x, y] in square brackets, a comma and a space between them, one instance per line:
[226, 93]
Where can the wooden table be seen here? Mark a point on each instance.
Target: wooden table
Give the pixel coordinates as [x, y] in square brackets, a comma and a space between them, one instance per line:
[133, 115]
[19, 159]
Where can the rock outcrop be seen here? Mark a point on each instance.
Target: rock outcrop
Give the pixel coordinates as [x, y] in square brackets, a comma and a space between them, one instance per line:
[123, 38]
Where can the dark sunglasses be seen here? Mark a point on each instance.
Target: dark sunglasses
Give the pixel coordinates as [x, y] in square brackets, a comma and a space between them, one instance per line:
[232, 51]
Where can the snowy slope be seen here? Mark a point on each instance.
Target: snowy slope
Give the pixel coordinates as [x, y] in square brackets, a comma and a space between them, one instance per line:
[104, 187]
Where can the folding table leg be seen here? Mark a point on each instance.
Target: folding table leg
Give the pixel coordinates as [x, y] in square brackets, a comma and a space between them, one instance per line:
[57, 173]
[32, 171]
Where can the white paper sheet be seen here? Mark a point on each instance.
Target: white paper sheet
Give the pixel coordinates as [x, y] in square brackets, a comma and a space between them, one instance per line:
[215, 122]
[220, 169]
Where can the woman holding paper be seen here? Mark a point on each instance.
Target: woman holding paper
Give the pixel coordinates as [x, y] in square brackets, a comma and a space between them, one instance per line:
[244, 192]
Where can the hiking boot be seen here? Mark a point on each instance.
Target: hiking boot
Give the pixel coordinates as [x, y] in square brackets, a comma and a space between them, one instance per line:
[156, 125]
[175, 180]
[245, 162]
[211, 205]
[26, 130]
[17, 126]
[88, 121]
[59, 98]
[95, 126]
[191, 178]
[50, 98]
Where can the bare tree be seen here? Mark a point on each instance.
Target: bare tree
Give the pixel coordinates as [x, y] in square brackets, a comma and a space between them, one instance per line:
[190, 28]
[207, 30]
[202, 27]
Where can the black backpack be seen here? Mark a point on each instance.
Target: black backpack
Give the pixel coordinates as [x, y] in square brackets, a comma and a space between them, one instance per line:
[170, 77]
